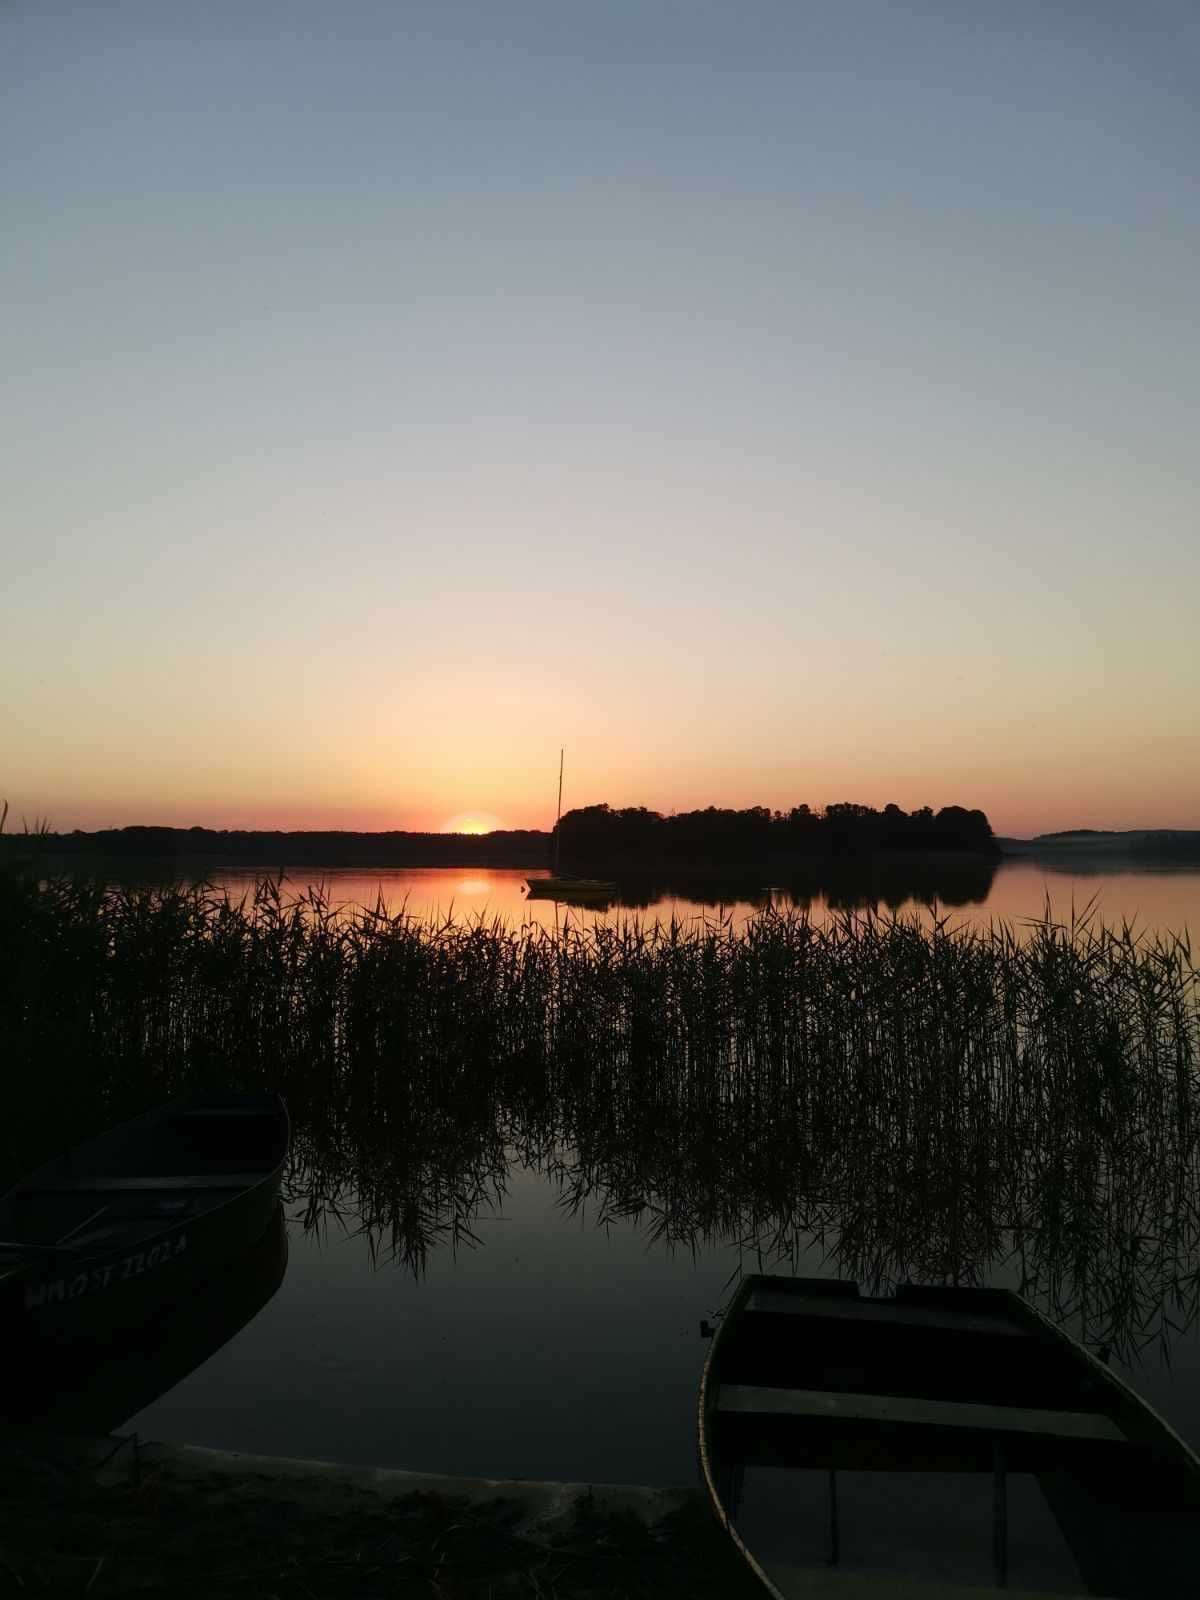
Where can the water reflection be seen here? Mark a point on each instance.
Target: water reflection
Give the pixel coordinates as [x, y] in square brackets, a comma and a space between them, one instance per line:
[895, 885]
[1012, 890]
[889, 1097]
[1082, 1195]
[1158, 895]
[436, 892]
[840, 886]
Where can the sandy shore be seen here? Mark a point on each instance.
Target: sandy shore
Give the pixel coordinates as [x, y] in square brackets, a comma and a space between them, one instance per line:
[124, 1516]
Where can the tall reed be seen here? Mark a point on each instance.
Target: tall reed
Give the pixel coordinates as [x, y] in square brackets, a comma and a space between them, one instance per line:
[922, 1100]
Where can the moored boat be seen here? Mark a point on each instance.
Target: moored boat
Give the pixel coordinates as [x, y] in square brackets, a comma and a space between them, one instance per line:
[93, 1240]
[105, 1385]
[557, 888]
[948, 1443]
[582, 891]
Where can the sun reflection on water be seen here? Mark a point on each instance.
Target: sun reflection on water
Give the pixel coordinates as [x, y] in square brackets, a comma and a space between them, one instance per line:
[480, 884]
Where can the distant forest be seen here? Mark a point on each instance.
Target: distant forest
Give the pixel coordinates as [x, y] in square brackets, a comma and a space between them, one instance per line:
[599, 836]
[223, 847]
[630, 839]
[1139, 844]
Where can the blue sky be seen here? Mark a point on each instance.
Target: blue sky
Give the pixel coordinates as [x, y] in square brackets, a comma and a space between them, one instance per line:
[768, 402]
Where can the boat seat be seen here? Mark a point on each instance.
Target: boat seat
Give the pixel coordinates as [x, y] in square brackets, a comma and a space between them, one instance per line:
[754, 1400]
[776, 1302]
[229, 1111]
[200, 1180]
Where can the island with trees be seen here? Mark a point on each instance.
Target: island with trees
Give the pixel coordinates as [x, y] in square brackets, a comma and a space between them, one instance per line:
[600, 837]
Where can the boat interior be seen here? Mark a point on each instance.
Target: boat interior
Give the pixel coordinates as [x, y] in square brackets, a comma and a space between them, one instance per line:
[938, 1440]
[124, 1187]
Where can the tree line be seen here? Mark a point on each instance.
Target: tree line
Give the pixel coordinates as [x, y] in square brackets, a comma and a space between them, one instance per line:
[271, 848]
[629, 837]
[603, 834]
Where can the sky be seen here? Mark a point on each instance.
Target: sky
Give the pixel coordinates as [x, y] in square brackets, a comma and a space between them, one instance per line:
[767, 403]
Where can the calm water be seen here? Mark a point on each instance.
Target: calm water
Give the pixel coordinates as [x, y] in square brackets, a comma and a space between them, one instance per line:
[560, 1338]
[552, 1349]
[556, 1347]
[1168, 898]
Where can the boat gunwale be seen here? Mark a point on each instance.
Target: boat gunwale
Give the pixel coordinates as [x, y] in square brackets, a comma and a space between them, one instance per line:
[19, 1272]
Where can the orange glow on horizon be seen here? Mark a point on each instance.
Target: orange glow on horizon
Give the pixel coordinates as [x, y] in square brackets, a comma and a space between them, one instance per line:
[1017, 810]
[474, 822]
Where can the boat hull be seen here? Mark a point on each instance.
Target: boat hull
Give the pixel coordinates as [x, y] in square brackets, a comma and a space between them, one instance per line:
[962, 1418]
[109, 1381]
[100, 1291]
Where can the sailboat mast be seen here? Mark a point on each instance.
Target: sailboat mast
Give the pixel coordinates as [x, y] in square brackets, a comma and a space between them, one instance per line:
[558, 817]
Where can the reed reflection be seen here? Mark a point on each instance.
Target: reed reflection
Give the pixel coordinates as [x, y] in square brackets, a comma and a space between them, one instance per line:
[938, 1108]
[922, 1101]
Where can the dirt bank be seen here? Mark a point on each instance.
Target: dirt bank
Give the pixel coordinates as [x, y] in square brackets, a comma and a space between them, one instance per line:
[110, 1517]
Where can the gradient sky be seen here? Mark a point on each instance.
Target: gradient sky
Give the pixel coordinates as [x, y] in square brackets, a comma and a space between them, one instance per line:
[768, 402]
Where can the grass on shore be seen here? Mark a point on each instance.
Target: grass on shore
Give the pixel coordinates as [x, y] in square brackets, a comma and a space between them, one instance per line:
[217, 1538]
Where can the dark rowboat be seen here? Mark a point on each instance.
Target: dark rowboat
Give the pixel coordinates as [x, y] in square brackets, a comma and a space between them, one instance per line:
[92, 1242]
[948, 1443]
[104, 1386]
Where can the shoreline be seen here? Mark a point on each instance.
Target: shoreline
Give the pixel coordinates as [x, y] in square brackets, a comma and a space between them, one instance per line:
[675, 869]
[115, 1514]
[115, 1457]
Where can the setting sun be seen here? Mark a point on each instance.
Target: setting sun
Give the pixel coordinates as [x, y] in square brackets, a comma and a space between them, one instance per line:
[471, 822]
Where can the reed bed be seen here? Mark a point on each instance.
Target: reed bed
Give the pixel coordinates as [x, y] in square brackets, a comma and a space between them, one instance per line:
[918, 1099]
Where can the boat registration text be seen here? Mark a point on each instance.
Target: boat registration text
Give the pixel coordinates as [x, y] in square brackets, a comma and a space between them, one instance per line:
[52, 1290]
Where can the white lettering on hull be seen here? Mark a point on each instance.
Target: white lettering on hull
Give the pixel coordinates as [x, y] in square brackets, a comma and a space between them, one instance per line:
[52, 1290]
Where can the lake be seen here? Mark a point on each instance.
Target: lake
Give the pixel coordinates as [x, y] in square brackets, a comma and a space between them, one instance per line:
[552, 1346]
[1164, 898]
[569, 1240]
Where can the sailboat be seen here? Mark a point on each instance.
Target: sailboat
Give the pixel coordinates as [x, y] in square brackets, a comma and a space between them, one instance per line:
[556, 887]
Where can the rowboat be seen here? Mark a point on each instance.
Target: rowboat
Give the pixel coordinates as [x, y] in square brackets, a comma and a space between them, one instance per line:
[940, 1444]
[93, 1241]
[103, 1386]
